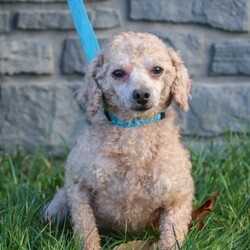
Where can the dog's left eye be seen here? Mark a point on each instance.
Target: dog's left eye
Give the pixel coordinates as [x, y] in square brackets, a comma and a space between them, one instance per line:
[157, 70]
[119, 73]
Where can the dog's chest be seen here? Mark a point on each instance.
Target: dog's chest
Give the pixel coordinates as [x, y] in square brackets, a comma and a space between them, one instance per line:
[130, 200]
[127, 179]
[128, 168]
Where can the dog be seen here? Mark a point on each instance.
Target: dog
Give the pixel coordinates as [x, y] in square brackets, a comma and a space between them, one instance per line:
[129, 170]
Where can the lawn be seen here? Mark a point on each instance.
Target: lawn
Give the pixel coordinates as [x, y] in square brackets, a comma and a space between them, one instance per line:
[28, 181]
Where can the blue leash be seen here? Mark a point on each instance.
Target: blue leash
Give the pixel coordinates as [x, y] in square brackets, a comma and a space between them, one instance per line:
[84, 28]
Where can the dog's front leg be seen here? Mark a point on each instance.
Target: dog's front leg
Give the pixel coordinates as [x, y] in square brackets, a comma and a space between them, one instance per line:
[174, 225]
[83, 217]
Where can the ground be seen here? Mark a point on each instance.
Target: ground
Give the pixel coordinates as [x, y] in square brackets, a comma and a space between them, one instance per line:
[29, 180]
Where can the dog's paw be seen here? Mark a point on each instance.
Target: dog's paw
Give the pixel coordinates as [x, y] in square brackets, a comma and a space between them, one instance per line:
[57, 210]
[136, 245]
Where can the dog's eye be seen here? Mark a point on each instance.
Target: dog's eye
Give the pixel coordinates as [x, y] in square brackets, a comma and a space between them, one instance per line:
[119, 73]
[157, 70]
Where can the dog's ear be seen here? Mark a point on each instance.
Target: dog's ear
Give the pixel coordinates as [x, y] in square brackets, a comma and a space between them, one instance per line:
[90, 96]
[181, 85]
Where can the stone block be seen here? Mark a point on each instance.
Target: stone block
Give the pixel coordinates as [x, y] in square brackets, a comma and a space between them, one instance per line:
[4, 21]
[61, 20]
[171, 10]
[189, 46]
[231, 58]
[30, 56]
[73, 58]
[216, 109]
[32, 1]
[44, 1]
[105, 18]
[39, 116]
[231, 15]
[44, 20]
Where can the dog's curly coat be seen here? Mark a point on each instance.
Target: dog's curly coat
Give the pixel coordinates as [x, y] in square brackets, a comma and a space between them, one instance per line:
[130, 177]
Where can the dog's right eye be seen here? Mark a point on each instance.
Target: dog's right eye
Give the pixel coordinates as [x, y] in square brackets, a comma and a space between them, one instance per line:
[157, 70]
[119, 73]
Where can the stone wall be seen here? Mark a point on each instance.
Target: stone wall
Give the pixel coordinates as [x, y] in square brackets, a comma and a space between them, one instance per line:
[42, 63]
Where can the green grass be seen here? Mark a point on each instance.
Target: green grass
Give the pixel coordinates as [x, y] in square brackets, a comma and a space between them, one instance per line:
[28, 181]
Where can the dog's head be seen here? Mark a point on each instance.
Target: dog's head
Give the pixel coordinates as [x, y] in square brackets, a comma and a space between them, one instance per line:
[136, 73]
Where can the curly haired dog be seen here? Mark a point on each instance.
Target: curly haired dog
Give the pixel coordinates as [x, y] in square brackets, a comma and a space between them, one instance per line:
[129, 170]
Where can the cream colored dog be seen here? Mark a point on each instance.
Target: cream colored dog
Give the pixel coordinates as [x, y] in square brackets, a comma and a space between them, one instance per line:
[129, 170]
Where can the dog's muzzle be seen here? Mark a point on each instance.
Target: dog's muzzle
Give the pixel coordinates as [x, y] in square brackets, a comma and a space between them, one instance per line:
[141, 98]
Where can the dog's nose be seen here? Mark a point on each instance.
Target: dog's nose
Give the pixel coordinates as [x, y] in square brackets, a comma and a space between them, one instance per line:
[141, 96]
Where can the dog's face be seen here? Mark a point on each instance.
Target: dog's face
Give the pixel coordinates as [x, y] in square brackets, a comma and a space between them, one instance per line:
[137, 73]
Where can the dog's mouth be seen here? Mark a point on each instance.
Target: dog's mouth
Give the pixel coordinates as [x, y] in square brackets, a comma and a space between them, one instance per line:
[141, 109]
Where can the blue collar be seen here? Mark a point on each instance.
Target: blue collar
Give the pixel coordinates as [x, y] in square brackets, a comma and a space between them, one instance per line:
[135, 122]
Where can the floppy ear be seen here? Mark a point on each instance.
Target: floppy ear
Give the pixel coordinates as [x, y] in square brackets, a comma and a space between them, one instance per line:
[181, 85]
[90, 96]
